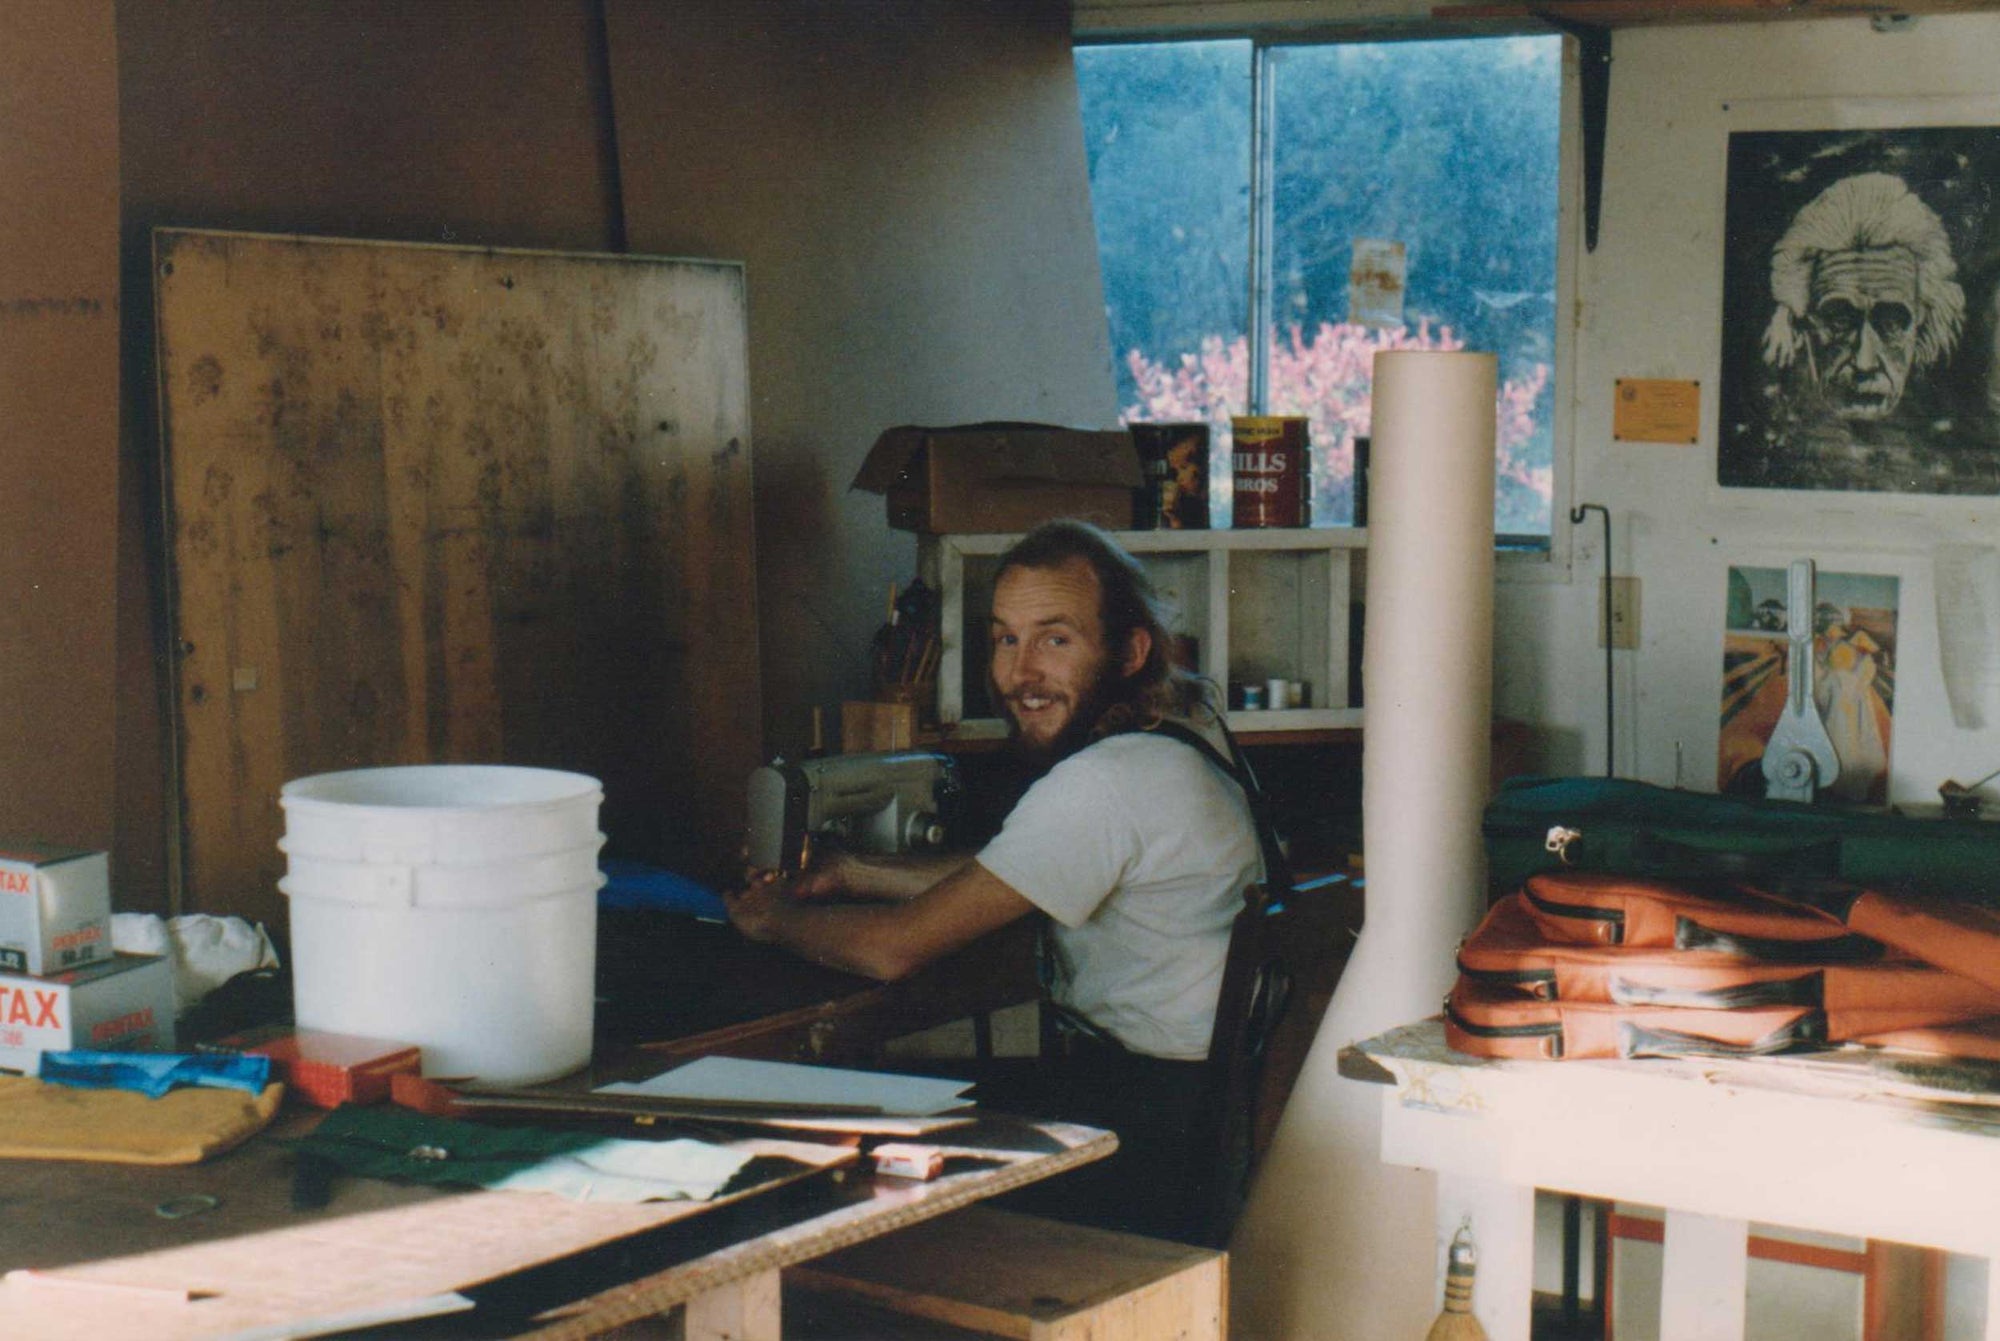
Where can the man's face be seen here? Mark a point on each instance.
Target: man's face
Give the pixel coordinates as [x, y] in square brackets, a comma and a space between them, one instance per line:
[1052, 671]
[1863, 327]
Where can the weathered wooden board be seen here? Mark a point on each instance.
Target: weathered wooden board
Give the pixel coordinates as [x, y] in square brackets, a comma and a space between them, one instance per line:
[442, 504]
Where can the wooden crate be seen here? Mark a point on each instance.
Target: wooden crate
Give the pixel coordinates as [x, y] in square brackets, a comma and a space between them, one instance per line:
[998, 1273]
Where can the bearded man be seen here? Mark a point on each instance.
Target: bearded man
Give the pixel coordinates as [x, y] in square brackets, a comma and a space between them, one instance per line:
[1135, 845]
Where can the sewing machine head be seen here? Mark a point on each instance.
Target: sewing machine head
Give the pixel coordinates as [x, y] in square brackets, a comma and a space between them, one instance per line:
[883, 803]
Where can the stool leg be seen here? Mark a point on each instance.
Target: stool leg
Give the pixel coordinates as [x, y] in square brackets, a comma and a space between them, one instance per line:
[1704, 1275]
[1992, 1332]
[745, 1311]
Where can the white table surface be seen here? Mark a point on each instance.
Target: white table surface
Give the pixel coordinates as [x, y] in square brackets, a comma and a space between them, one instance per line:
[1834, 1142]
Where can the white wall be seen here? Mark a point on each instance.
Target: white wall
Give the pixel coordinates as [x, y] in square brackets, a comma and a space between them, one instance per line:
[1650, 305]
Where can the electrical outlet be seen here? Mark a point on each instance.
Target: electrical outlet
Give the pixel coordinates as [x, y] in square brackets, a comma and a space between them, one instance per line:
[1623, 609]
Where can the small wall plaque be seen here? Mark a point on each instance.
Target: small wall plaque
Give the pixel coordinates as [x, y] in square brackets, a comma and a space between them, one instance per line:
[1654, 410]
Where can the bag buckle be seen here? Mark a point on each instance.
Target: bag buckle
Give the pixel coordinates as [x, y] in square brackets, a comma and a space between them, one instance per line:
[1559, 839]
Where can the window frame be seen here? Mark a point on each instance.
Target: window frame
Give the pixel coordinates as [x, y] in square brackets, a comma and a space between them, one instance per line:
[1519, 557]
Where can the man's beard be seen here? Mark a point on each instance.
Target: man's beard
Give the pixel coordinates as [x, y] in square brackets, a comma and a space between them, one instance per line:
[1077, 732]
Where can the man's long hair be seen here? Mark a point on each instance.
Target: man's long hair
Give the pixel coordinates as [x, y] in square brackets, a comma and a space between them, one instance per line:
[1127, 602]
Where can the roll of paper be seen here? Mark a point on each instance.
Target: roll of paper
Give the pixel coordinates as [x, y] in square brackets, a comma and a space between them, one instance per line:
[1333, 1243]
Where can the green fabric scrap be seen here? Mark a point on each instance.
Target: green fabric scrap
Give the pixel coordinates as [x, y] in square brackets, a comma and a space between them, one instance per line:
[405, 1146]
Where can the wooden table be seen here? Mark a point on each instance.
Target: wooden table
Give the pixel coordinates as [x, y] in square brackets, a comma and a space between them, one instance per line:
[538, 1265]
[687, 989]
[1835, 1142]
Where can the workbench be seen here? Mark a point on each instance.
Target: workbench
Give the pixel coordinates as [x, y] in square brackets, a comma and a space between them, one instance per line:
[1837, 1142]
[536, 1265]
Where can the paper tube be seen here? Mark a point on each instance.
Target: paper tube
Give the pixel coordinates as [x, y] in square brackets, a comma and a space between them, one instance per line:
[1333, 1243]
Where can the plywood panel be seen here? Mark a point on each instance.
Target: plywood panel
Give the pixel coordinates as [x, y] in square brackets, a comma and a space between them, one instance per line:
[448, 504]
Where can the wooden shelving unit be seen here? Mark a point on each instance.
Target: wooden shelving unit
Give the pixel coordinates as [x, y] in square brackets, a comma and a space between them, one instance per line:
[1260, 604]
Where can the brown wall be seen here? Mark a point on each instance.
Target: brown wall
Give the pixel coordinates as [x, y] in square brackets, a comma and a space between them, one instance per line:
[470, 121]
[58, 418]
[906, 181]
[904, 177]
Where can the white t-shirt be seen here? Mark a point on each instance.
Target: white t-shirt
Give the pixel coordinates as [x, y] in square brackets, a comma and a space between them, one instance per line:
[1140, 849]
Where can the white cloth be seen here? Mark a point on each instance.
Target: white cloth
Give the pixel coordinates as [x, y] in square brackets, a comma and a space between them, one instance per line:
[630, 1171]
[1140, 850]
[204, 951]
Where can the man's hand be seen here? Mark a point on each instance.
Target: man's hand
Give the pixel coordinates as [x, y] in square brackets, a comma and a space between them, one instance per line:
[754, 909]
[822, 880]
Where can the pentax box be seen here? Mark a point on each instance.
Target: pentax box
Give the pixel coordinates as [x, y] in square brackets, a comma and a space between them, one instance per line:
[122, 1003]
[55, 908]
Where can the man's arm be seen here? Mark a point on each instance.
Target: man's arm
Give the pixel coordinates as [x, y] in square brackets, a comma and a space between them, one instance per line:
[881, 940]
[868, 875]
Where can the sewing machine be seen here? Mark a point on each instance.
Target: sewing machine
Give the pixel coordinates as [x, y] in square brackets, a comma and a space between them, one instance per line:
[883, 803]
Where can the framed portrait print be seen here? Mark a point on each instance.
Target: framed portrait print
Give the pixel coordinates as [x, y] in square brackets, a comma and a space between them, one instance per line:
[1860, 277]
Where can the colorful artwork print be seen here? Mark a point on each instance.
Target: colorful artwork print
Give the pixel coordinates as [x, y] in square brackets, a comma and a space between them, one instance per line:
[1854, 677]
[1861, 273]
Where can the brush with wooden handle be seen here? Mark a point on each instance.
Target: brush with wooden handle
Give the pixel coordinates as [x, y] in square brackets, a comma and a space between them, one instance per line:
[1456, 1323]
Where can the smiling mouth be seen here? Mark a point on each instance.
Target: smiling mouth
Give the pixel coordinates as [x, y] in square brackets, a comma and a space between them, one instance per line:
[1025, 704]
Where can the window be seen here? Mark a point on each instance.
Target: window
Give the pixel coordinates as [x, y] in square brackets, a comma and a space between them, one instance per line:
[1244, 186]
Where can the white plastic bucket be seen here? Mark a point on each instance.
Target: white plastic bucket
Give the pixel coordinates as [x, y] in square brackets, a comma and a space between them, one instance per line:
[449, 905]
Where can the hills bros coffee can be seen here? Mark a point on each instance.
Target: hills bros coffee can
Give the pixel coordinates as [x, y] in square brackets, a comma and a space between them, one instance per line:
[1272, 472]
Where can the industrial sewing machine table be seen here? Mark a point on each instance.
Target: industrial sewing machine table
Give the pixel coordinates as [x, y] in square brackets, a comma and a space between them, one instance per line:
[1839, 1142]
[674, 988]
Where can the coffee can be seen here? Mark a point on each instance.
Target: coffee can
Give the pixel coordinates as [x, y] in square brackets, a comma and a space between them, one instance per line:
[1273, 471]
[1174, 460]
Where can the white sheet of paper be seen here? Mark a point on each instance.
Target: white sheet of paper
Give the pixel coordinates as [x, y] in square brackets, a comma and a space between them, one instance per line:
[627, 1171]
[779, 1083]
[1968, 619]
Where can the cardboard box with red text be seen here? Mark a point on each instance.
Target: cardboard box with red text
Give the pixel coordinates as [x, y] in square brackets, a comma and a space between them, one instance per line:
[125, 1003]
[55, 908]
[1002, 477]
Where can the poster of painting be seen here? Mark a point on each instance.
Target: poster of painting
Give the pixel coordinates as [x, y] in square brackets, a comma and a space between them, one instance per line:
[1860, 275]
[1854, 677]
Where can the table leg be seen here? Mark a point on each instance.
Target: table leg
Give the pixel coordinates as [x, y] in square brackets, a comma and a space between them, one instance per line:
[1502, 1216]
[1703, 1278]
[745, 1311]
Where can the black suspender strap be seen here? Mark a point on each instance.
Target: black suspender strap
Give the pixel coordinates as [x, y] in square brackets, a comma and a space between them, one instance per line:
[1277, 871]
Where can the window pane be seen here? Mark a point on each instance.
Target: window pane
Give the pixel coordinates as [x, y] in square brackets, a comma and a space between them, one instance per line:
[1448, 148]
[1167, 132]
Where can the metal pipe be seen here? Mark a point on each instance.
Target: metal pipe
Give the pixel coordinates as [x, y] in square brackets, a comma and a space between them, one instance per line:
[1576, 515]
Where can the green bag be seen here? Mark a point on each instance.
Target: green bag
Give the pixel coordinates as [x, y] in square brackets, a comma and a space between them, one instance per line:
[1636, 828]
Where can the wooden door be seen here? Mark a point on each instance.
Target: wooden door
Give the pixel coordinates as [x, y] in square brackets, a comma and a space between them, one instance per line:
[444, 504]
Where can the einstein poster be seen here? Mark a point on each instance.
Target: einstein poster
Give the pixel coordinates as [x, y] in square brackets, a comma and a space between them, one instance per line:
[1860, 276]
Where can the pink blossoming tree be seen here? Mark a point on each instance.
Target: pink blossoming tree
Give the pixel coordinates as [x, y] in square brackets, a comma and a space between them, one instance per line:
[1326, 376]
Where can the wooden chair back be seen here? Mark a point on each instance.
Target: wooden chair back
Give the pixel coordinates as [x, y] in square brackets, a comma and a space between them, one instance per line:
[1285, 959]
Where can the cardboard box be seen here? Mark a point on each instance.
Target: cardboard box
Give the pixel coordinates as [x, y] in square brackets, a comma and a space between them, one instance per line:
[1002, 477]
[123, 1003]
[55, 908]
